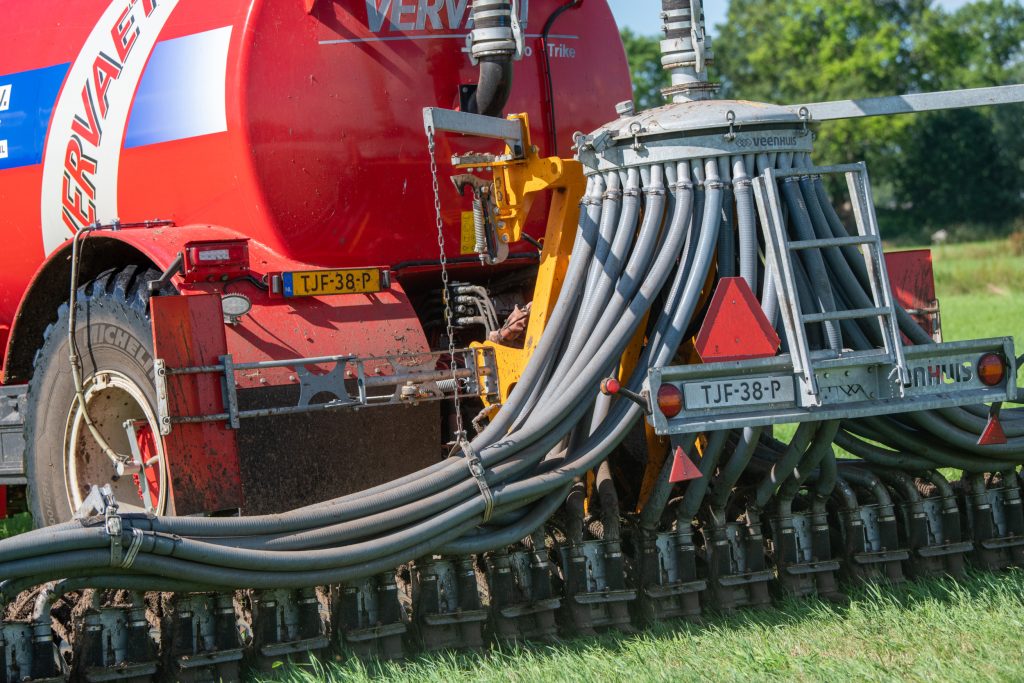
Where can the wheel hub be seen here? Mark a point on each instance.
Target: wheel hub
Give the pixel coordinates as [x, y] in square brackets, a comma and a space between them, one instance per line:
[119, 409]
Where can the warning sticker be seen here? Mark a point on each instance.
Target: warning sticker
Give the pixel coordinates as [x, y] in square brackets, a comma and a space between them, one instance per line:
[468, 234]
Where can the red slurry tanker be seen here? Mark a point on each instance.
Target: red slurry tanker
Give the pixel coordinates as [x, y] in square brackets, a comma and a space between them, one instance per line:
[391, 323]
[254, 138]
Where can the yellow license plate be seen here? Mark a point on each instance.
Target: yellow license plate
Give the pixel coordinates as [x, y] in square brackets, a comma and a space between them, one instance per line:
[328, 282]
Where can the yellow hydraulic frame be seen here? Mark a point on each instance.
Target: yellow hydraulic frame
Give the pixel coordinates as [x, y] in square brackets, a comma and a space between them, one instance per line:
[517, 184]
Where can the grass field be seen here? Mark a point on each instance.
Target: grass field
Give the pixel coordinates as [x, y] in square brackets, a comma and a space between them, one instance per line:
[928, 631]
[981, 290]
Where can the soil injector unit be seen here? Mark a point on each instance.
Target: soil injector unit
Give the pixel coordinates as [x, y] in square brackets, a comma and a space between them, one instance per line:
[605, 457]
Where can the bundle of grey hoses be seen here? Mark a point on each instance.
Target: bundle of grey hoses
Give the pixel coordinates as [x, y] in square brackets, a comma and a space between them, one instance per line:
[647, 241]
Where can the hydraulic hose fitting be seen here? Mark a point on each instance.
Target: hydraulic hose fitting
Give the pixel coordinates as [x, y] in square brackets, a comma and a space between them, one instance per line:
[496, 30]
[496, 40]
[686, 51]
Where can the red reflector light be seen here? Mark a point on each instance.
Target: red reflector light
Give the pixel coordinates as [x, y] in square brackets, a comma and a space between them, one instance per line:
[991, 369]
[610, 386]
[216, 260]
[670, 400]
[993, 435]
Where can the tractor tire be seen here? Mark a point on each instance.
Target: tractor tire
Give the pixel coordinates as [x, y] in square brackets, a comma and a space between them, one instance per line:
[115, 345]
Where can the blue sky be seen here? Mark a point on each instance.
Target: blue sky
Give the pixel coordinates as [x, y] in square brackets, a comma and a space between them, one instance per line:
[643, 15]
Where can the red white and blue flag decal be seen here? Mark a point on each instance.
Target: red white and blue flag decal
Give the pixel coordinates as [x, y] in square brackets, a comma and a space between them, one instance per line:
[126, 89]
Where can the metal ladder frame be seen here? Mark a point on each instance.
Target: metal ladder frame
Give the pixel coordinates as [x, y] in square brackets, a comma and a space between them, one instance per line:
[868, 239]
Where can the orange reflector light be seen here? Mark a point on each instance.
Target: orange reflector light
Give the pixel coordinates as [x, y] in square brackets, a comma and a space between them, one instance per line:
[670, 400]
[991, 369]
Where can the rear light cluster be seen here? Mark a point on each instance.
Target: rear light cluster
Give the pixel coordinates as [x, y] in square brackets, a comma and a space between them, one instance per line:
[670, 400]
[992, 369]
[216, 261]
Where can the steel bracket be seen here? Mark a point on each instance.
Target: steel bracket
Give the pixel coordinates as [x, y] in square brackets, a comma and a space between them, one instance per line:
[408, 379]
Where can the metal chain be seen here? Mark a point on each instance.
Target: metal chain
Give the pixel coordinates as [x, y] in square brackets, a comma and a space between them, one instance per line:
[460, 432]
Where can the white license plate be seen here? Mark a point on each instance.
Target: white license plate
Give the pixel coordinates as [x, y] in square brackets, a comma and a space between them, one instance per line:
[751, 391]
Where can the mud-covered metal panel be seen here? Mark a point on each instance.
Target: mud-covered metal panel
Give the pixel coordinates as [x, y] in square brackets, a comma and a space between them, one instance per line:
[188, 331]
[295, 460]
[12, 439]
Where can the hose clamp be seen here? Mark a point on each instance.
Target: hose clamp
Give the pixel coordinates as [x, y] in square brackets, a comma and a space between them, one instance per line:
[114, 528]
[713, 185]
[133, 549]
[476, 468]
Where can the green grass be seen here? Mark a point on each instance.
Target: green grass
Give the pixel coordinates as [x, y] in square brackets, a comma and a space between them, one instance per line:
[929, 630]
[980, 288]
[16, 525]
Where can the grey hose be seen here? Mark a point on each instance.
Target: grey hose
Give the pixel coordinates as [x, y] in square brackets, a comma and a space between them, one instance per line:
[650, 516]
[786, 464]
[814, 265]
[726, 235]
[820, 447]
[738, 461]
[746, 222]
[698, 488]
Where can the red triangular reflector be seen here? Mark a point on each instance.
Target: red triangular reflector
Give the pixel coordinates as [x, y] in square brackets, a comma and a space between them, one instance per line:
[735, 327]
[683, 468]
[993, 434]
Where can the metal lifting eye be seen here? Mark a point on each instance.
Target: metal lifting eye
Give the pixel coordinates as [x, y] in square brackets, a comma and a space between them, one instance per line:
[805, 117]
[731, 118]
[635, 129]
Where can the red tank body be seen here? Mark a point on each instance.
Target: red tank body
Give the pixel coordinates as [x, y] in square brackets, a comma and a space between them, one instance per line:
[299, 127]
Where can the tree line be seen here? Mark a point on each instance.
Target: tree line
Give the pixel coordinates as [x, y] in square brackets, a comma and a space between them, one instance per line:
[961, 171]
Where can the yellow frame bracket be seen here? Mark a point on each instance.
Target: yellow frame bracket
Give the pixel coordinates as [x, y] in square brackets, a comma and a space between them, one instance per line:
[517, 185]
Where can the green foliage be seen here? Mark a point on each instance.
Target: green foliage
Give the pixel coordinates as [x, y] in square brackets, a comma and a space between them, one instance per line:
[644, 53]
[942, 170]
[806, 51]
[969, 179]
